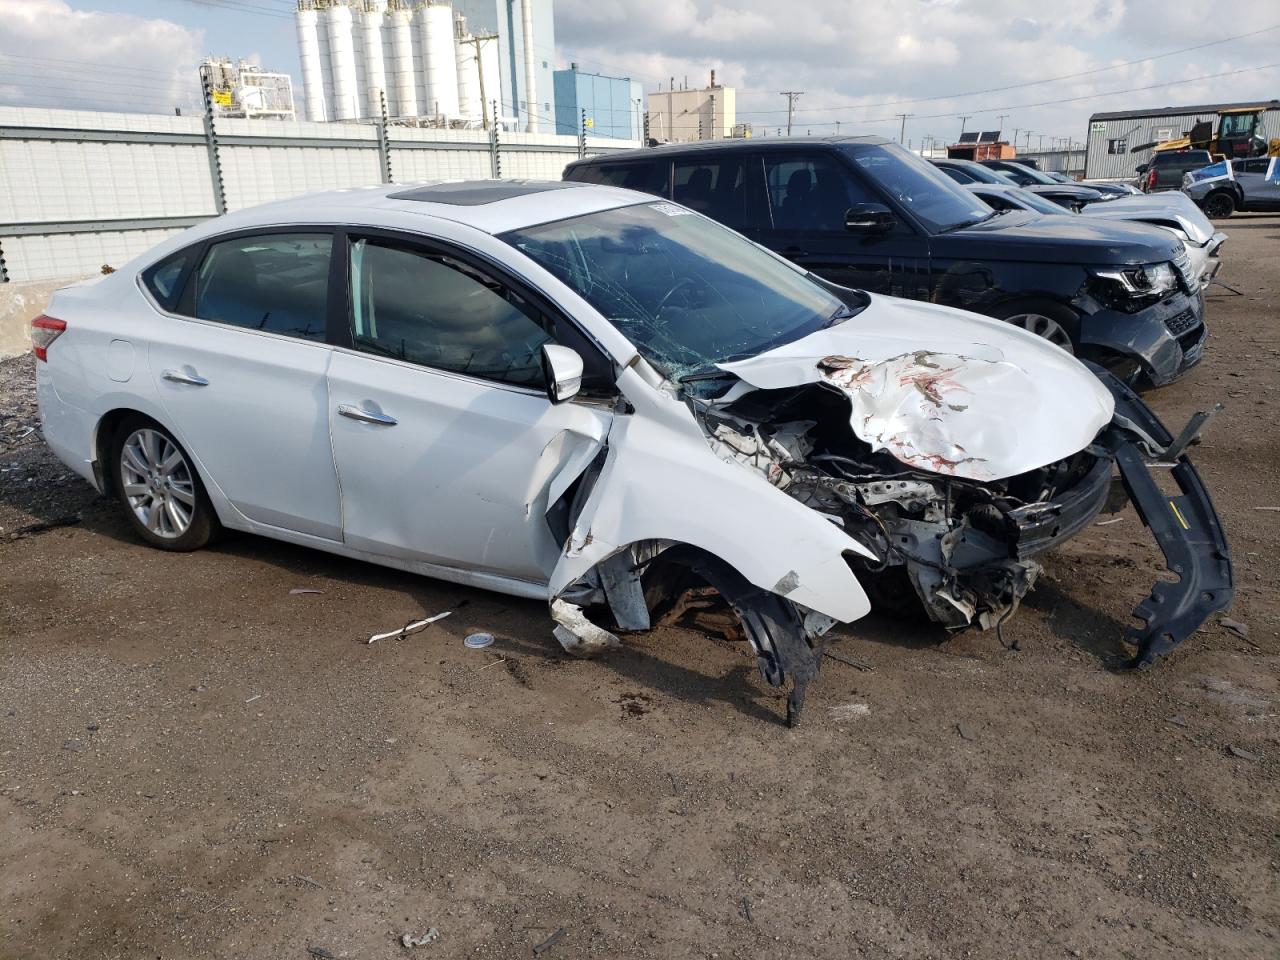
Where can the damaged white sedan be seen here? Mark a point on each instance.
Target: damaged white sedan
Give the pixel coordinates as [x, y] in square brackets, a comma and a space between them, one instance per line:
[581, 394]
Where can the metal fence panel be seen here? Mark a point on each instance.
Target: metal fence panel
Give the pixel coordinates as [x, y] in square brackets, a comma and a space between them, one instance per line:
[81, 189]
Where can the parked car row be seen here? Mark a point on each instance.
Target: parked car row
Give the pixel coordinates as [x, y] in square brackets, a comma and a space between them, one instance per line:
[864, 213]
[600, 398]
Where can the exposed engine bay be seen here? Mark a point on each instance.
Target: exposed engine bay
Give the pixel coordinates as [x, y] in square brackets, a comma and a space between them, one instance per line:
[967, 547]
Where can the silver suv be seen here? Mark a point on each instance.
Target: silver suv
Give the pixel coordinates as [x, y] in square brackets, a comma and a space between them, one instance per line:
[1222, 188]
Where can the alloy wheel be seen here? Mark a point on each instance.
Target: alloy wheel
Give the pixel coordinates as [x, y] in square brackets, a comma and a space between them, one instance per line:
[1219, 206]
[158, 483]
[1045, 327]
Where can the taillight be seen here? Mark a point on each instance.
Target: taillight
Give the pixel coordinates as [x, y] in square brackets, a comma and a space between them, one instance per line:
[1151, 179]
[45, 330]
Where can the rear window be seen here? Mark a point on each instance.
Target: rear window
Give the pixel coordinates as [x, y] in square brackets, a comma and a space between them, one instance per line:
[646, 176]
[164, 279]
[1191, 158]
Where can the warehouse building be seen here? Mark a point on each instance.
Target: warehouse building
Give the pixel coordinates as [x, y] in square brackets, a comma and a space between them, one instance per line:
[1110, 153]
[680, 114]
[609, 106]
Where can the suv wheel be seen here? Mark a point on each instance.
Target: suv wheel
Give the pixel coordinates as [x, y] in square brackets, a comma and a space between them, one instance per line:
[1219, 205]
[158, 488]
[1050, 321]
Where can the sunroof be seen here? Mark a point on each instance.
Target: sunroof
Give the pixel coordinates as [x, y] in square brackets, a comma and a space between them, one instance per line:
[470, 193]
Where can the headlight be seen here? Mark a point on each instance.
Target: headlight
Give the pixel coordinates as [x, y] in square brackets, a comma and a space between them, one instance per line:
[1152, 280]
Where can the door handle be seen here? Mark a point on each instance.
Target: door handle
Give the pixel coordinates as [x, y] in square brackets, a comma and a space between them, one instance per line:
[365, 416]
[191, 379]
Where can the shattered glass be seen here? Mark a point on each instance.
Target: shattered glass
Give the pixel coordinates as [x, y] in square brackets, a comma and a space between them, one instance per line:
[688, 293]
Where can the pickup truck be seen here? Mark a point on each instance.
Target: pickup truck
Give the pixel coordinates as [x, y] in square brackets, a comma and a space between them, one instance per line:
[1164, 170]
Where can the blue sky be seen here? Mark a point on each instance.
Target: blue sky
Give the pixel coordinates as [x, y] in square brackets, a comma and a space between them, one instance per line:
[1044, 67]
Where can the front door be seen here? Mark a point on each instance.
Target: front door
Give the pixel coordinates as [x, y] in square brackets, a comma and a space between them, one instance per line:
[809, 195]
[241, 375]
[446, 444]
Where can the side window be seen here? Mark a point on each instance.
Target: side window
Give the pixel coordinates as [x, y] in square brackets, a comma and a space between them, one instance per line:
[716, 188]
[432, 310]
[959, 176]
[164, 279]
[1256, 165]
[811, 193]
[272, 282]
[996, 202]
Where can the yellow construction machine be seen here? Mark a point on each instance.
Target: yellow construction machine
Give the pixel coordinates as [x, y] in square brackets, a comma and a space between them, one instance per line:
[1239, 135]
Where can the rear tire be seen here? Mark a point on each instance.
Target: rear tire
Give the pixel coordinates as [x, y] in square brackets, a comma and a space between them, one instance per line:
[1219, 205]
[158, 488]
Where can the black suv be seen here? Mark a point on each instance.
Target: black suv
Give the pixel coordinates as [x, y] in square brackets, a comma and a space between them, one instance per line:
[863, 212]
[1165, 169]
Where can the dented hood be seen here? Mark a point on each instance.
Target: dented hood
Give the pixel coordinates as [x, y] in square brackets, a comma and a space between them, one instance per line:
[944, 390]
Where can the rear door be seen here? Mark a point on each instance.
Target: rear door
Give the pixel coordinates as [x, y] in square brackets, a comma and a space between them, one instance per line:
[1259, 180]
[446, 444]
[809, 193]
[240, 370]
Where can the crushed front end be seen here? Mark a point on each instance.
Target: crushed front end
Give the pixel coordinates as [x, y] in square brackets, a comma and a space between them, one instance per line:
[966, 546]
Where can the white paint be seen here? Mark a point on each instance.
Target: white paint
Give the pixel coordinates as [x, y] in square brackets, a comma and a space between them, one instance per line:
[1025, 402]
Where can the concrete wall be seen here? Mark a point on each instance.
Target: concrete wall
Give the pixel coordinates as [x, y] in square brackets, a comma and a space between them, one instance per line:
[20, 303]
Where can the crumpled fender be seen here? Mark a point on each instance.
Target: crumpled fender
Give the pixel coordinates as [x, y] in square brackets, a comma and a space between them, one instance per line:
[660, 481]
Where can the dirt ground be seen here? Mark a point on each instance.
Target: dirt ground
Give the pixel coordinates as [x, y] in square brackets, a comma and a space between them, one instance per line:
[197, 762]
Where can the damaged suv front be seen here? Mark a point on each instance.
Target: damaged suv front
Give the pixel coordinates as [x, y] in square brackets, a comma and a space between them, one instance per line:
[936, 453]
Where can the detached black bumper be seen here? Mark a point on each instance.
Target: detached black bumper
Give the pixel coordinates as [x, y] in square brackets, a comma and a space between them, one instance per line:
[1186, 527]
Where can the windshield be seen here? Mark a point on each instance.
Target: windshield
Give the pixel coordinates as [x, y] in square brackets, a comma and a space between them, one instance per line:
[1025, 174]
[686, 291]
[936, 200]
[983, 174]
[1033, 201]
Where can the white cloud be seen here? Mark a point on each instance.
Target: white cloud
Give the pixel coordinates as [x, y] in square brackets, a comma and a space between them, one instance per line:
[842, 54]
[54, 56]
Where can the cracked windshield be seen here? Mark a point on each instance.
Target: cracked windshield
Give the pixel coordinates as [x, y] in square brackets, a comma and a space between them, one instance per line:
[687, 292]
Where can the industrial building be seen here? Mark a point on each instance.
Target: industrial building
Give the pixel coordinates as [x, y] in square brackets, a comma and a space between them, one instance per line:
[435, 62]
[243, 89]
[680, 115]
[609, 106]
[1110, 152]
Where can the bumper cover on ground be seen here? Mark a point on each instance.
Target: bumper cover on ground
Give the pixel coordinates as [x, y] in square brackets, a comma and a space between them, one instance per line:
[1186, 528]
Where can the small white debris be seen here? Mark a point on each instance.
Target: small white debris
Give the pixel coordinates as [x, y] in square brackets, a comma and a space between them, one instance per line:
[411, 627]
[256, 696]
[478, 641]
[849, 711]
[578, 635]
[1103, 523]
[408, 940]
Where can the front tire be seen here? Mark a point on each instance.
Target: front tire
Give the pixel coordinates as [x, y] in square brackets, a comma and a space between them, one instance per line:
[158, 488]
[1050, 321]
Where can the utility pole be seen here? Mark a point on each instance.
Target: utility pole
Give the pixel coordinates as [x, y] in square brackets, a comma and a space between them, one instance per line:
[792, 96]
[1000, 121]
[963, 121]
[1041, 148]
[902, 135]
[475, 42]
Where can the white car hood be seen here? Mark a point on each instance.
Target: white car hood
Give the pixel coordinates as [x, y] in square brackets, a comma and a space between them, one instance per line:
[945, 390]
[1171, 207]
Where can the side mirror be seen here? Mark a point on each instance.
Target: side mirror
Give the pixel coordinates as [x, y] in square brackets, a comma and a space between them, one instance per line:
[1140, 168]
[869, 218]
[561, 371]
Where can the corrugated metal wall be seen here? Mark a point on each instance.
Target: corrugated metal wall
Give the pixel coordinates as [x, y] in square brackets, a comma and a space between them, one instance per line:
[1103, 165]
[82, 189]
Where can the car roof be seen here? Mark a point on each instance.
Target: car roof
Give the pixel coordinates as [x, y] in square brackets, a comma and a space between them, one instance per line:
[493, 206]
[734, 144]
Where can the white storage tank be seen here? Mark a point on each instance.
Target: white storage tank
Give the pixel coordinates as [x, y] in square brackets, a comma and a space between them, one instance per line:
[439, 63]
[345, 99]
[403, 75]
[468, 71]
[375, 74]
[309, 59]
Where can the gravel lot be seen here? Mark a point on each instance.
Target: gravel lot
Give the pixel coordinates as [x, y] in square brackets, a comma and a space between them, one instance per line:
[196, 762]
